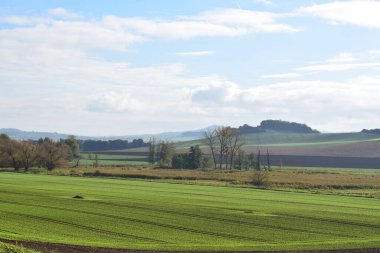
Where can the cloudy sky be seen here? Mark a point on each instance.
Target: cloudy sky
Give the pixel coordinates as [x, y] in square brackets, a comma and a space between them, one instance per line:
[95, 67]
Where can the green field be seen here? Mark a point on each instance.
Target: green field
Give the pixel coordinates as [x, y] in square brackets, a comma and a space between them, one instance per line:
[154, 215]
[109, 157]
[284, 139]
[111, 162]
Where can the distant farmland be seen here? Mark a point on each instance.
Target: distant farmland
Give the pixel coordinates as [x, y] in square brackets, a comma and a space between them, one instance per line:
[162, 216]
[342, 150]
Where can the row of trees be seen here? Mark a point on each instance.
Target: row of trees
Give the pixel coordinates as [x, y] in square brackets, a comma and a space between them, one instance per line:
[43, 153]
[193, 160]
[160, 152]
[225, 146]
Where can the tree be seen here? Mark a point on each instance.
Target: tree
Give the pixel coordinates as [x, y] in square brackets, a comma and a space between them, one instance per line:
[221, 136]
[196, 159]
[251, 160]
[28, 153]
[225, 144]
[210, 141]
[234, 144]
[192, 160]
[164, 153]
[180, 161]
[73, 149]
[11, 149]
[241, 162]
[152, 150]
[96, 163]
[260, 173]
[51, 154]
[4, 159]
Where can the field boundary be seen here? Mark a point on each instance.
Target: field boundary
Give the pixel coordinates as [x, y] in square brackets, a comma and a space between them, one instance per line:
[68, 248]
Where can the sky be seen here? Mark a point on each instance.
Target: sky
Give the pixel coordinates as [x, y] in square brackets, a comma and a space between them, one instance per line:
[102, 68]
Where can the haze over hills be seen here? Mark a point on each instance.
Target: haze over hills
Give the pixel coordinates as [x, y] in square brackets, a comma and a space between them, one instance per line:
[35, 135]
[267, 132]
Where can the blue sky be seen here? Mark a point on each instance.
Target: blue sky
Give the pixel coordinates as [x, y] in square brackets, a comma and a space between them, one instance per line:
[138, 66]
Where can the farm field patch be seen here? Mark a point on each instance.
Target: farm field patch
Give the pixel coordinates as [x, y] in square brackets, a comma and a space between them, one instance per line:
[133, 214]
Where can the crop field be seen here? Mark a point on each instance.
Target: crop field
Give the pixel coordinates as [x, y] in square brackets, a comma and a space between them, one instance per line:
[134, 214]
[283, 139]
[118, 163]
[105, 159]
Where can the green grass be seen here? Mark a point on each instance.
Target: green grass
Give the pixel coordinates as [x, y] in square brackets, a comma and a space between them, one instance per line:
[137, 214]
[7, 248]
[111, 157]
[86, 162]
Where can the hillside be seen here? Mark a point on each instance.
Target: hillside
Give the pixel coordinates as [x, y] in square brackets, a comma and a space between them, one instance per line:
[316, 144]
[173, 136]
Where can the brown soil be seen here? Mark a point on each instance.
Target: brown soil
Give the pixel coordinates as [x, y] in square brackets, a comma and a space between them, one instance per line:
[65, 248]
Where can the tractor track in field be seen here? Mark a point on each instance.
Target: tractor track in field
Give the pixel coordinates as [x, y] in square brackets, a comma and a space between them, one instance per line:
[107, 232]
[66, 248]
[169, 226]
[180, 228]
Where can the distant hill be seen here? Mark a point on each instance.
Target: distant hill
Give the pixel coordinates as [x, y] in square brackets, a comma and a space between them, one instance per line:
[31, 135]
[285, 126]
[371, 131]
[278, 126]
[171, 136]
[246, 129]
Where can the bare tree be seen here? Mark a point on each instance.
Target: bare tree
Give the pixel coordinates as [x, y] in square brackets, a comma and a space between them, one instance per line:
[268, 160]
[209, 140]
[51, 154]
[261, 172]
[224, 143]
[234, 144]
[28, 153]
[152, 150]
[11, 148]
[222, 137]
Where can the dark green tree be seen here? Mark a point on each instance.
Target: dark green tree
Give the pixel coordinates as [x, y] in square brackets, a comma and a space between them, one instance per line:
[196, 158]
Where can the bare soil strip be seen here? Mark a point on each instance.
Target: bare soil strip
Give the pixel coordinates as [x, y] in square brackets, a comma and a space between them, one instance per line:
[65, 248]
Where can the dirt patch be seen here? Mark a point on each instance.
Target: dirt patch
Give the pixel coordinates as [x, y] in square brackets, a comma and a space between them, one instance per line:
[65, 248]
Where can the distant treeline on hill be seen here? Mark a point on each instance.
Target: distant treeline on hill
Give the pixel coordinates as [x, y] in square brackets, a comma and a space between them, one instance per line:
[93, 145]
[371, 131]
[276, 125]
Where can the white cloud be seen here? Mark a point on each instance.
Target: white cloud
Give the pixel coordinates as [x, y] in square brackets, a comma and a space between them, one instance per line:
[363, 13]
[221, 22]
[265, 2]
[318, 103]
[49, 80]
[281, 76]
[195, 53]
[343, 57]
[63, 13]
[345, 62]
[330, 67]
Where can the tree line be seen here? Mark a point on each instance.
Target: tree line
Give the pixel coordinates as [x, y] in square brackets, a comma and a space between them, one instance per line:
[44, 153]
[225, 153]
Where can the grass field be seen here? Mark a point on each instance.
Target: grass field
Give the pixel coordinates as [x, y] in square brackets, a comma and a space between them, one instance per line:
[154, 215]
[353, 182]
[283, 139]
[111, 162]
